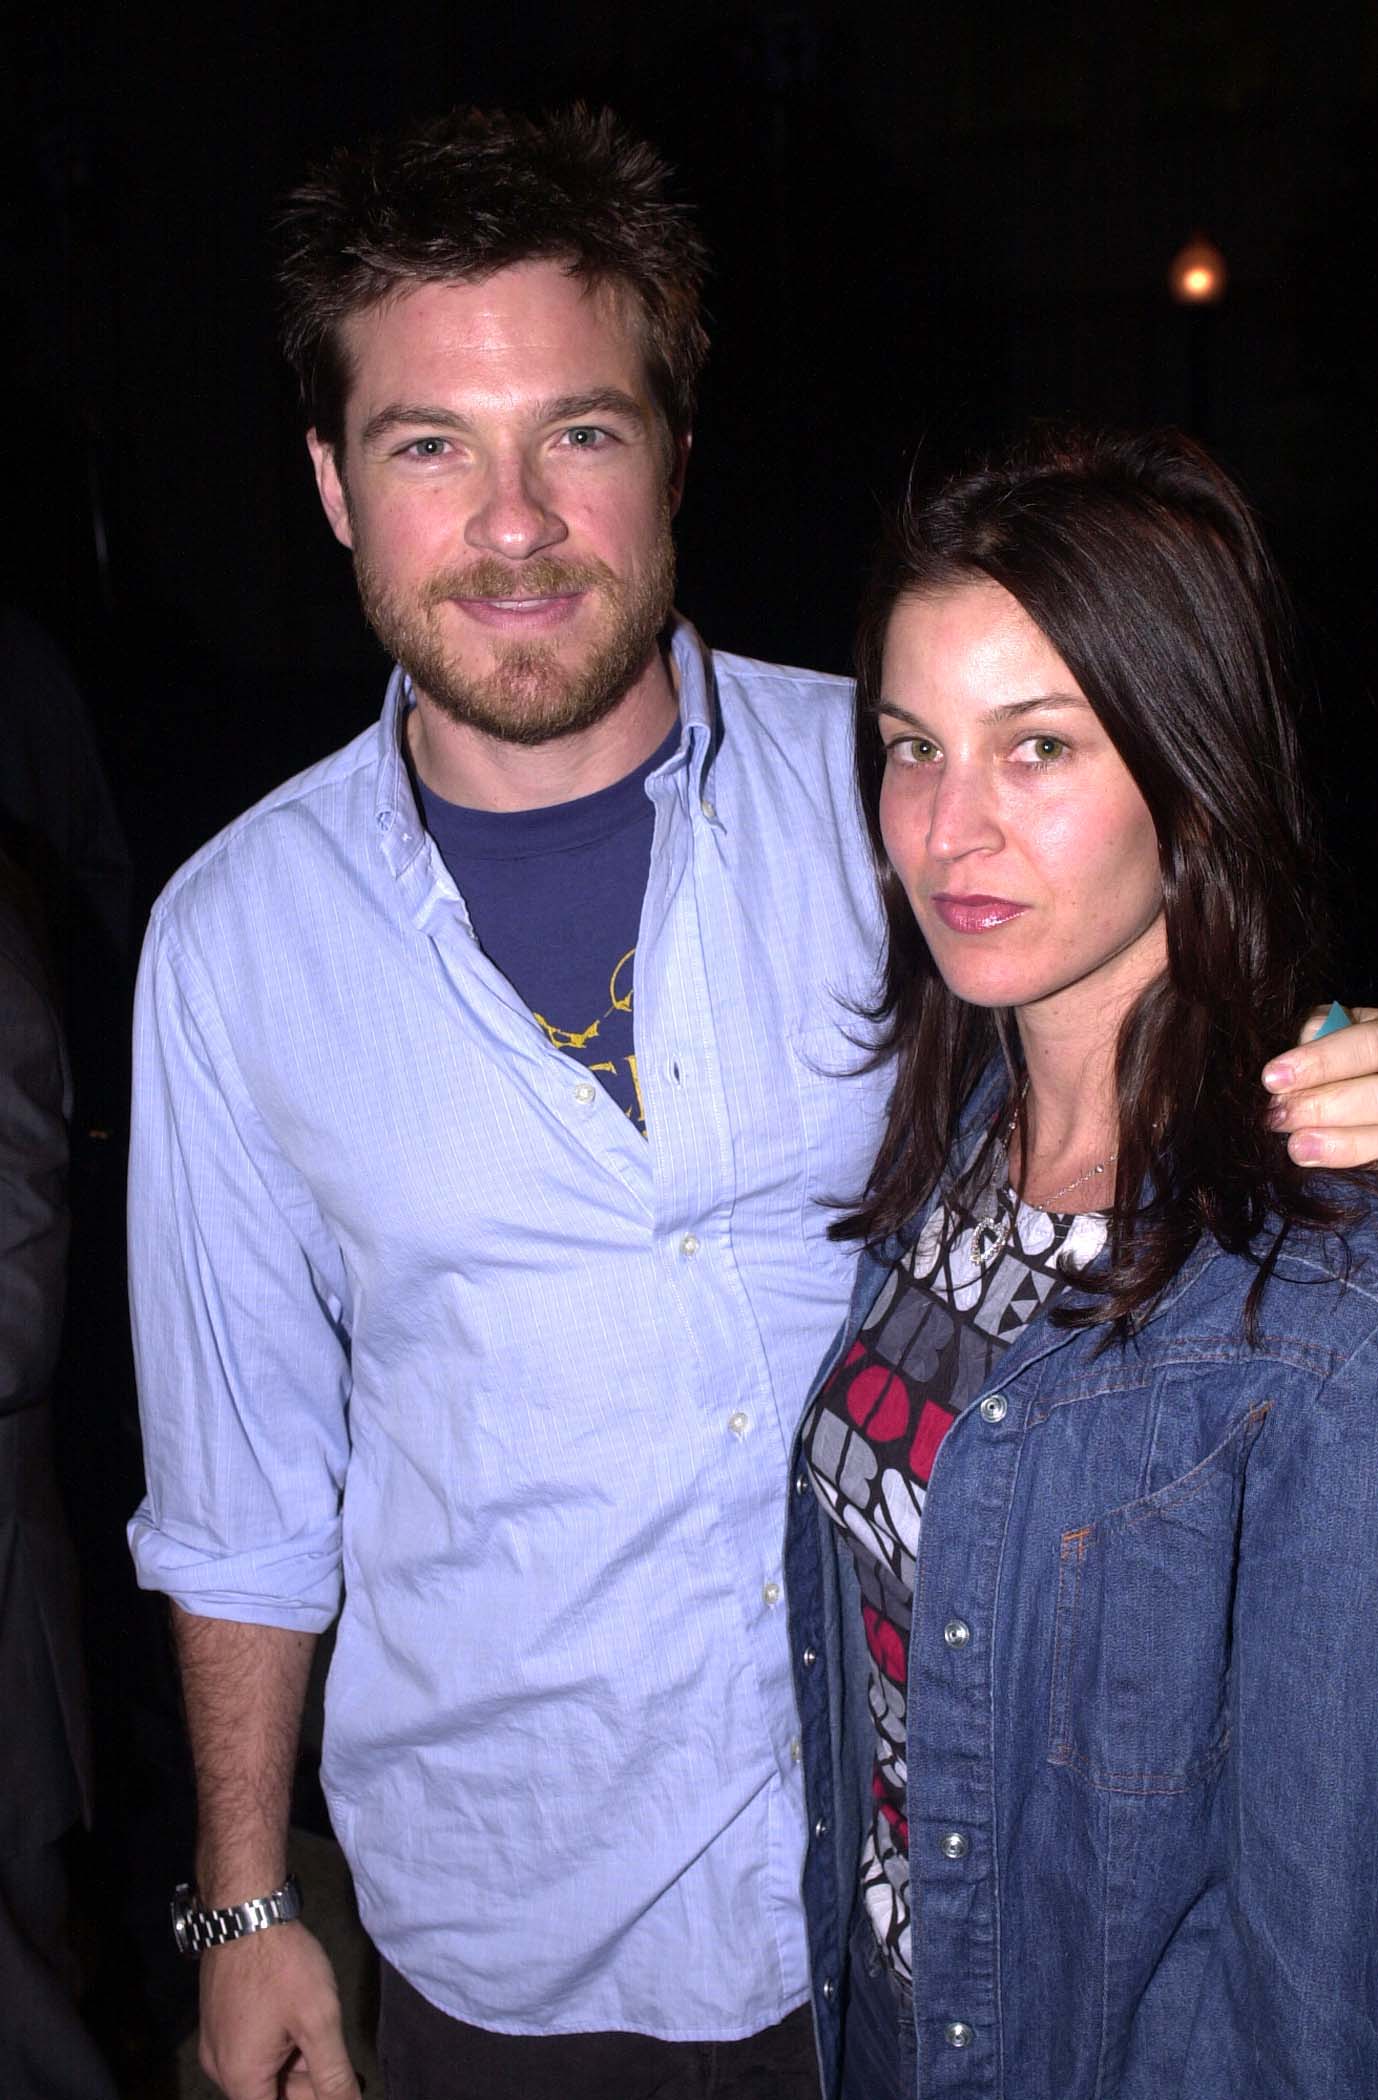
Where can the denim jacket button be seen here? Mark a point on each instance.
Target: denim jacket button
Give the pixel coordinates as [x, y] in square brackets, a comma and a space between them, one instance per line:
[958, 2035]
[820, 1828]
[954, 1845]
[994, 1407]
[809, 1658]
[956, 1633]
[827, 1990]
[801, 1482]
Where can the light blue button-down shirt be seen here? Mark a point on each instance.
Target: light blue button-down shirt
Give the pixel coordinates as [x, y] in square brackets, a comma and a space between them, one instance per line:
[423, 1319]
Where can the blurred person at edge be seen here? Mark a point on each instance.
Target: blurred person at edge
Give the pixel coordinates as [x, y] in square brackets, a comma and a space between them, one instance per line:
[1081, 1562]
[484, 1119]
[45, 2050]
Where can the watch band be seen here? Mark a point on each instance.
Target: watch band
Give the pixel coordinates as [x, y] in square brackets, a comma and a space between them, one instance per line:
[195, 1929]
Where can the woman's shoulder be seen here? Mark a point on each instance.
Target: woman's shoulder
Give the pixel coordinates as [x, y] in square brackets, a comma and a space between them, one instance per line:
[1321, 1292]
[1341, 1259]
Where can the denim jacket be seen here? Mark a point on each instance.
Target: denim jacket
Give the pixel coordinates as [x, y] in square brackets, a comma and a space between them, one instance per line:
[1143, 1705]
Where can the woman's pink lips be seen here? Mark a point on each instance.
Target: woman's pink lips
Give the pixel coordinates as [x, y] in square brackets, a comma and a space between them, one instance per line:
[975, 914]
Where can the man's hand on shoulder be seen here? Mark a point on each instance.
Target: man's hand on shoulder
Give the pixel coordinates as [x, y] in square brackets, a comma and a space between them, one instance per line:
[1326, 1093]
[270, 2019]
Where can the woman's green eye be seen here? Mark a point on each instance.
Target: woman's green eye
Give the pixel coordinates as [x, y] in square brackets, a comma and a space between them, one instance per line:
[1045, 750]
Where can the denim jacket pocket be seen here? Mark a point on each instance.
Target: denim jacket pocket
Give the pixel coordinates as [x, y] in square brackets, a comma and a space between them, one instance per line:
[1141, 1644]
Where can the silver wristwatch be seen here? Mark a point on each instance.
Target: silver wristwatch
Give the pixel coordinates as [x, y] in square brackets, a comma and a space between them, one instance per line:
[195, 1928]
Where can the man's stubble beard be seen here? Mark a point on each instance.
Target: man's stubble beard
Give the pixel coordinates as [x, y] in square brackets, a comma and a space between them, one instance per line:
[529, 696]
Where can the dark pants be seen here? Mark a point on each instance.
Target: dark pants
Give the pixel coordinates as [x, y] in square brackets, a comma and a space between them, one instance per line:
[45, 2051]
[426, 2055]
[878, 2059]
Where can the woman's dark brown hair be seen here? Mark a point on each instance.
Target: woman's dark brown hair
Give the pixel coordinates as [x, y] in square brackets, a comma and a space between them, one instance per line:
[1143, 566]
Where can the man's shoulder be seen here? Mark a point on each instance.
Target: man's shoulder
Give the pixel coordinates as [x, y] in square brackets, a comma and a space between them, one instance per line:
[780, 716]
[783, 759]
[781, 685]
[309, 818]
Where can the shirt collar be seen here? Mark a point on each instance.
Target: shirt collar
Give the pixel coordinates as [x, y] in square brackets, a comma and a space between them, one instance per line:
[693, 674]
[701, 727]
[396, 817]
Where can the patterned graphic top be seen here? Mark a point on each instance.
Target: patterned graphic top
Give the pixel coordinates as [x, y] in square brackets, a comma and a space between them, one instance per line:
[929, 1347]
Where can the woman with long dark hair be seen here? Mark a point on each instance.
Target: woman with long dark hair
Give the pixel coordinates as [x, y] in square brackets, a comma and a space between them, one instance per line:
[1083, 1559]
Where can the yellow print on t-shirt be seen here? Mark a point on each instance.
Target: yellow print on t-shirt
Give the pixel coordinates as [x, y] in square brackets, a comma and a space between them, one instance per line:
[578, 1040]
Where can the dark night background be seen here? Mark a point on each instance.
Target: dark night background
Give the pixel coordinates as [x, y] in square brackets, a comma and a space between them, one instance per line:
[930, 224]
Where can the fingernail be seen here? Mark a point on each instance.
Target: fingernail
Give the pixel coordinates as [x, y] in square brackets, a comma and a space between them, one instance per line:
[1278, 1077]
[1306, 1149]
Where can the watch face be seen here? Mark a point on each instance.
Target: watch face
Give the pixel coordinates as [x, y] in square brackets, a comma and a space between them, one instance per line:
[185, 1909]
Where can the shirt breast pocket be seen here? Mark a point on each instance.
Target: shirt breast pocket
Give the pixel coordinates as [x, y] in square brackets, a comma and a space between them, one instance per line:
[1141, 1649]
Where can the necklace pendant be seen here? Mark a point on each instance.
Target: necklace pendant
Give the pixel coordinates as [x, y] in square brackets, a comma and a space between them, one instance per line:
[988, 1239]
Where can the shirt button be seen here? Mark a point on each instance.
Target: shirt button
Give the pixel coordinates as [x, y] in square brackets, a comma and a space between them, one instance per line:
[956, 1633]
[958, 2035]
[820, 1828]
[796, 1750]
[953, 1845]
[771, 1593]
[827, 1990]
[739, 1421]
[809, 1658]
[994, 1407]
[708, 809]
[585, 1092]
[689, 1244]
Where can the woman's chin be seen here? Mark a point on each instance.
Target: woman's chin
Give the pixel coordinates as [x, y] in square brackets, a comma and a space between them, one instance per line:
[992, 988]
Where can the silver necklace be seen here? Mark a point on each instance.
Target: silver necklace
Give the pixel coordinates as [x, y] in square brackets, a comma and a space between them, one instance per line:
[990, 1236]
[1089, 1175]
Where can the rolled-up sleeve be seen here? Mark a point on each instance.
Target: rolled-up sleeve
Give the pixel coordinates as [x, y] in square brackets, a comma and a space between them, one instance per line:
[237, 1296]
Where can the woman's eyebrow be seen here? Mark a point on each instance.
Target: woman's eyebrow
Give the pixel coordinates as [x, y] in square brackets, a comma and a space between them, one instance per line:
[1013, 709]
[991, 717]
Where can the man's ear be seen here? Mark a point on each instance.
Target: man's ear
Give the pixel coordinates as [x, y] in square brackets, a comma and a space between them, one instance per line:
[679, 468]
[330, 484]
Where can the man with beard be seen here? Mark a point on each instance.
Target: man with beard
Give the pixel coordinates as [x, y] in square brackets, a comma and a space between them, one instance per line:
[455, 1291]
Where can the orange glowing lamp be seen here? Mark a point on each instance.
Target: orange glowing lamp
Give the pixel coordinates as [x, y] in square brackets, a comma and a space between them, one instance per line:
[1198, 275]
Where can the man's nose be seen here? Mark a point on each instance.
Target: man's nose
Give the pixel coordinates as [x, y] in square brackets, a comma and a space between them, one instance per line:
[514, 516]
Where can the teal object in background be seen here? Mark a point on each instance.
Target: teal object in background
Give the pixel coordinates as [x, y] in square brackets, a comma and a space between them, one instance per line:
[1336, 1019]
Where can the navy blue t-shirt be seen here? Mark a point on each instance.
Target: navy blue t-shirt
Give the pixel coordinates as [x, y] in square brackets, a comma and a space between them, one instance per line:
[554, 898]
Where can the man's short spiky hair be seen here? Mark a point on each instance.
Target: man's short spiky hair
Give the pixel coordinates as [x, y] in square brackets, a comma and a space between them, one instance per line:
[470, 194]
